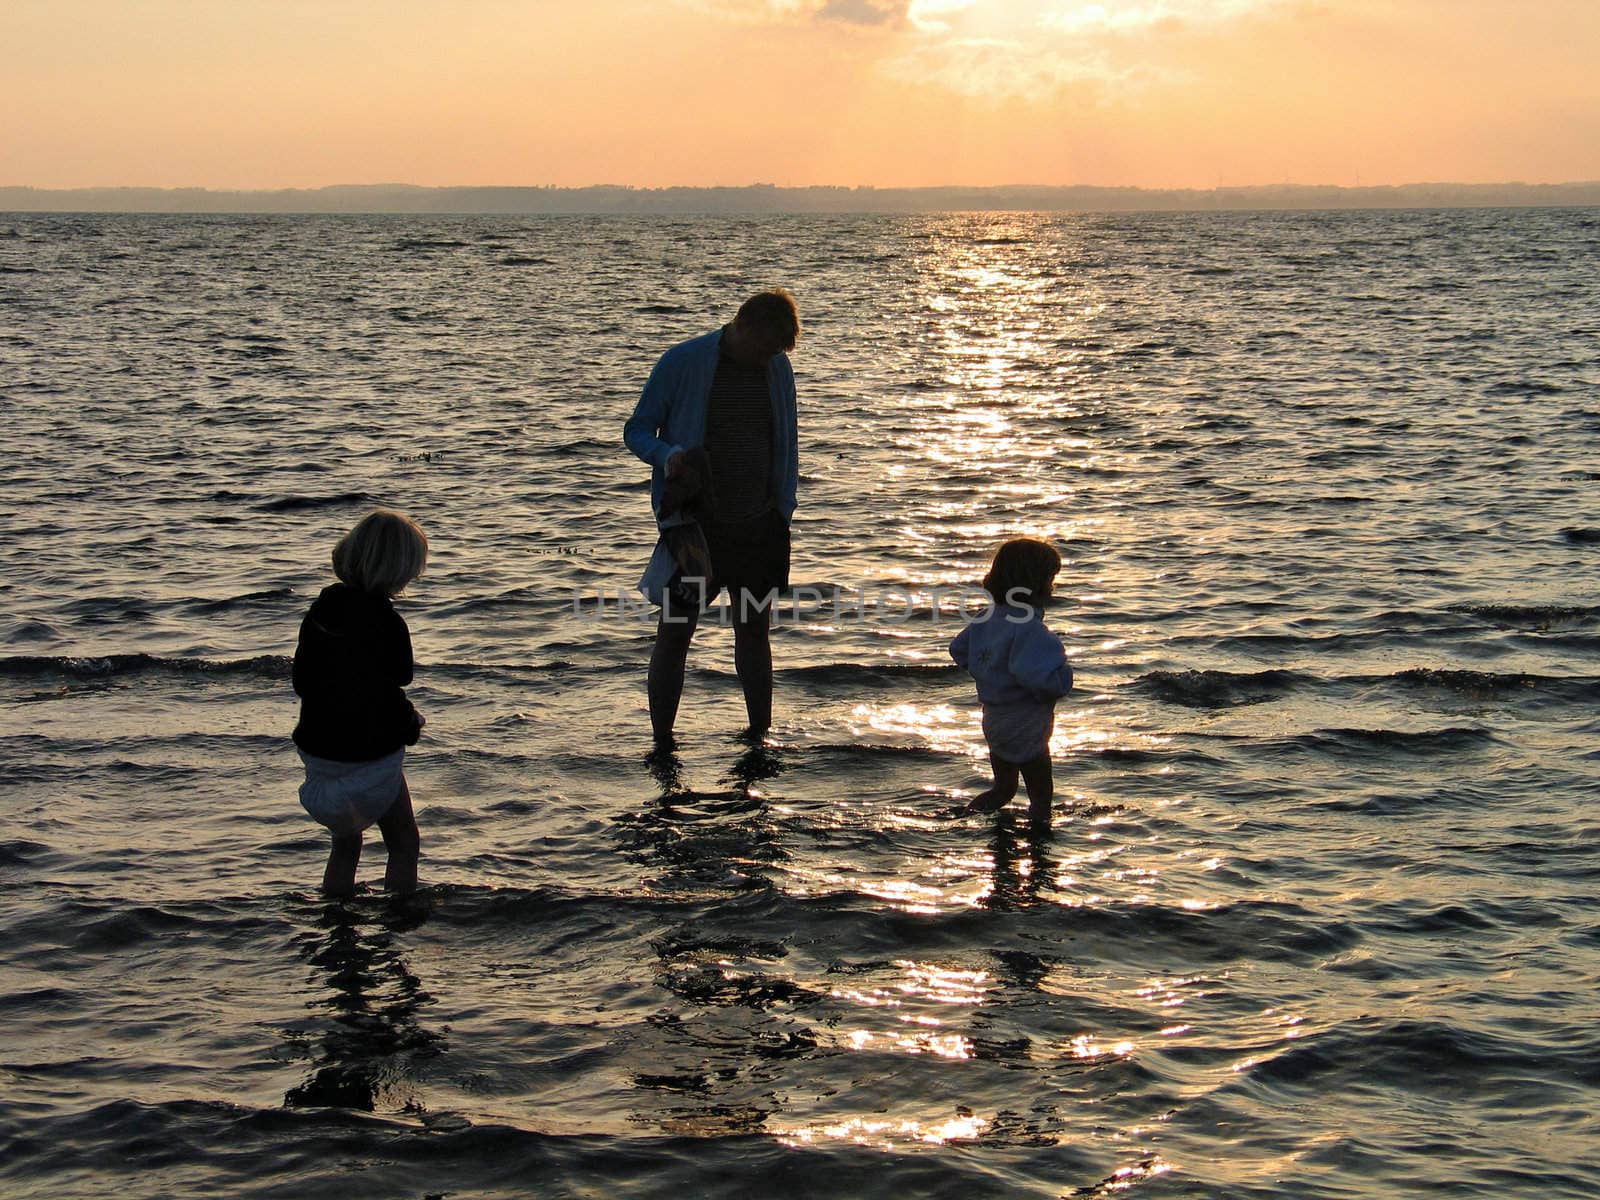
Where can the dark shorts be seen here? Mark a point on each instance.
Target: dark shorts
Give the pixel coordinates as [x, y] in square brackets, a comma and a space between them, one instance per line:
[749, 558]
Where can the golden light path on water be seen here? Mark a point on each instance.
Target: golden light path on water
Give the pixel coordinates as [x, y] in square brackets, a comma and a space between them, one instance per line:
[993, 313]
[992, 317]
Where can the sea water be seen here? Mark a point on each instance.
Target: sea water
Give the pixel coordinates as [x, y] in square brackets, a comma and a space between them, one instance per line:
[1317, 914]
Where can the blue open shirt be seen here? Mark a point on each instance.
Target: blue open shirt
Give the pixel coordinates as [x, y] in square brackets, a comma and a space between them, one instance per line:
[671, 416]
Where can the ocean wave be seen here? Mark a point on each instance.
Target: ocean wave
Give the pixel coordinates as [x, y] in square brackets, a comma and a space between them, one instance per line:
[757, 920]
[696, 1147]
[20, 852]
[409, 244]
[1129, 756]
[1496, 685]
[847, 674]
[1289, 642]
[1524, 387]
[1535, 618]
[1220, 689]
[302, 503]
[255, 349]
[90, 926]
[531, 596]
[1423, 1056]
[34, 631]
[582, 445]
[266, 666]
[1456, 797]
[233, 602]
[100, 609]
[878, 750]
[517, 671]
[271, 666]
[1386, 742]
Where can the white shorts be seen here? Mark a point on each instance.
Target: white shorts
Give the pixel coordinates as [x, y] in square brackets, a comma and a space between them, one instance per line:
[348, 797]
[1019, 733]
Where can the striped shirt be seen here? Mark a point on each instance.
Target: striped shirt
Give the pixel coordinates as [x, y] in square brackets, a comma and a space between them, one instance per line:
[739, 440]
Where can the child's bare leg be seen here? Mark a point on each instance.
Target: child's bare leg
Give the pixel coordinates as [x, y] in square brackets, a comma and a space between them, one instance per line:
[339, 879]
[1000, 792]
[1041, 790]
[400, 837]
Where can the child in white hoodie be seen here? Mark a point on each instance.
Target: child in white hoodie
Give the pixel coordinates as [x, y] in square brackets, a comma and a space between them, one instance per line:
[1021, 671]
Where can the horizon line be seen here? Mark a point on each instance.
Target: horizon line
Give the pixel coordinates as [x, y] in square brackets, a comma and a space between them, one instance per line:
[793, 187]
[773, 199]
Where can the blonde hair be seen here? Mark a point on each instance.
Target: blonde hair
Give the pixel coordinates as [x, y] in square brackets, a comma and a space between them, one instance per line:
[1024, 565]
[384, 552]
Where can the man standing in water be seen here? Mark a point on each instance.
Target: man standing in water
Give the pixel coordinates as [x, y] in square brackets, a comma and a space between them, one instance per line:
[731, 395]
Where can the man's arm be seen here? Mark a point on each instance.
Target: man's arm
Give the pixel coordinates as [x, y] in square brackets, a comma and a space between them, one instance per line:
[642, 431]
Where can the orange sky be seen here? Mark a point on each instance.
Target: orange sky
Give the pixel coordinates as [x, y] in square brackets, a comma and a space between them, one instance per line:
[1152, 93]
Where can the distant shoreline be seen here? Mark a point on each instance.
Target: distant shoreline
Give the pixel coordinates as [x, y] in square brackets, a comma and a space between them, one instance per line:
[765, 198]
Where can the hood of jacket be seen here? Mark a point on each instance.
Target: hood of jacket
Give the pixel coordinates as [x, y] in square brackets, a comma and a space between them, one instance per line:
[341, 608]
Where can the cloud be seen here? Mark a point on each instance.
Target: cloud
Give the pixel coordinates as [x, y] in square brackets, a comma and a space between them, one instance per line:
[927, 15]
[1120, 17]
[1000, 69]
[886, 14]
[921, 15]
[980, 18]
[1037, 50]
[865, 12]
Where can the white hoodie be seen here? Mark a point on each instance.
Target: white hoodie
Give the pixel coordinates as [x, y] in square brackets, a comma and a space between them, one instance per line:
[1013, 657]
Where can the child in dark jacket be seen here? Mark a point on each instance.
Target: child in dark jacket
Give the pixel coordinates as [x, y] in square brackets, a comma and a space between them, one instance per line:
[1021, 670]
[351, 667]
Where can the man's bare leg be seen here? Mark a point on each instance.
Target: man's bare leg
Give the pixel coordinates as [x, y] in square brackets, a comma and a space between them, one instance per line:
[752, 658]
[674, 632]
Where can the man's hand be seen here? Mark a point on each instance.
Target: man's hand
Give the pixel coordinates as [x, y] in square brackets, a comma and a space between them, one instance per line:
[675, 465]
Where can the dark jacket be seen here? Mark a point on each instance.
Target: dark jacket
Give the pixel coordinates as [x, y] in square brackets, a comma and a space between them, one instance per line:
[350, 671]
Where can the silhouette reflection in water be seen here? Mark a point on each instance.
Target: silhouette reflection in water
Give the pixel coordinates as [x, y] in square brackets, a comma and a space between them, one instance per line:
[374, 1039]
[1021, 864]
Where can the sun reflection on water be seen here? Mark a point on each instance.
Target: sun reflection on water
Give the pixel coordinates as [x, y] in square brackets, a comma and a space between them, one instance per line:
[943, 985]
[943, 1045]
[1085, 1046]
[1125, 1178]
[886, 1133]
[1005, 345]
[1173, 993]
[958, 729]
[937, 726]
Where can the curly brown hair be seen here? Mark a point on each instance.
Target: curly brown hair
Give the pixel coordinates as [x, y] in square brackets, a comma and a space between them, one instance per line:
[1023, 571]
